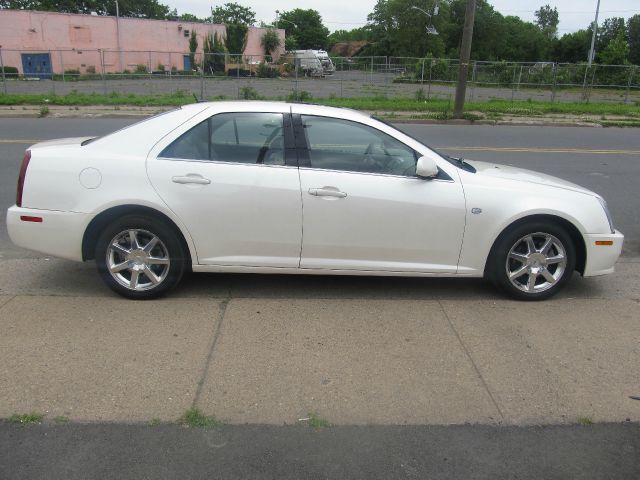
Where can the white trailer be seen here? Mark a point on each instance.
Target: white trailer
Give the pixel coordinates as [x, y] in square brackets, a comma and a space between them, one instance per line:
[314, 63]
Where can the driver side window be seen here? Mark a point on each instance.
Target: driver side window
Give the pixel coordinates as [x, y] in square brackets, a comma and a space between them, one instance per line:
[335, 144]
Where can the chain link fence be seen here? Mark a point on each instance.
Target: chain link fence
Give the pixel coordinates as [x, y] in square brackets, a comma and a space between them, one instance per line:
[239, 76]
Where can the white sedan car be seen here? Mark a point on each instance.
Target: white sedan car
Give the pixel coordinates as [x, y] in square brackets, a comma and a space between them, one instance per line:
[279, 188]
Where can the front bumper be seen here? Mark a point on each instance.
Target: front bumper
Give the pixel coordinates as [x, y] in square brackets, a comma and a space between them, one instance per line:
[602, 258]
[58, 234]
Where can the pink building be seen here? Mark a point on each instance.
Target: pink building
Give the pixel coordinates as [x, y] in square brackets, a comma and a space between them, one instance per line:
[39, 43]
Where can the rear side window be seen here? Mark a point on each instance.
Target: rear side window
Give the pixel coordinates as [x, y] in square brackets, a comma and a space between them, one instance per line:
[233, 137]
[191, 145]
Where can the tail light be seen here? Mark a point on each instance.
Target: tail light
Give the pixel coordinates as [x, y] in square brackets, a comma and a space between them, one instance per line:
[23, 173]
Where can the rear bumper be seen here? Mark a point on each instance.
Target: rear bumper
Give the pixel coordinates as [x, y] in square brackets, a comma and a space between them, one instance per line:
[58, 234]
[602, 258]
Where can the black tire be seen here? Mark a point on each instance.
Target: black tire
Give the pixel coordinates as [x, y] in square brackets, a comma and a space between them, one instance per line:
[168, 247]
[516, 238]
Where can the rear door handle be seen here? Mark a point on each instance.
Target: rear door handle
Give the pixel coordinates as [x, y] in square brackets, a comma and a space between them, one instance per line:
[327, 192]
[191, 178]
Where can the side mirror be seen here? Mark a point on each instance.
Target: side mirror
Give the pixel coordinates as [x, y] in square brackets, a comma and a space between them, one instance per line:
[426, 168]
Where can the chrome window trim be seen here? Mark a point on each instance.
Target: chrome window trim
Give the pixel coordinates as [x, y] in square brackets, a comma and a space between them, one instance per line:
[380, 174]
[222, 162]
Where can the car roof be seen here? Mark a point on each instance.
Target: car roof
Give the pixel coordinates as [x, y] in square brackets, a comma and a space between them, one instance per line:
[262, 106]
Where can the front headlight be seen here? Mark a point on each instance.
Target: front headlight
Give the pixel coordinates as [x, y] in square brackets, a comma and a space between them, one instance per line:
[607, 213]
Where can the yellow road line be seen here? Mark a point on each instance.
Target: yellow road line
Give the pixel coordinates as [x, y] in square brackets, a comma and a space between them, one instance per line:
[569, 151]
[543, 150]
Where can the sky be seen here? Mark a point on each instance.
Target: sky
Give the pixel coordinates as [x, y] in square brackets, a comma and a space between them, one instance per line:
[574, 14]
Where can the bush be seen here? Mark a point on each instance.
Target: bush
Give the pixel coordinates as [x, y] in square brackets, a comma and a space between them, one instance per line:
[161, 67]
[440, 70]
[72, 71]
[91, 70]
[249, 93]
[265, 70]
[10, 72]
[300, 97]
[140, 68]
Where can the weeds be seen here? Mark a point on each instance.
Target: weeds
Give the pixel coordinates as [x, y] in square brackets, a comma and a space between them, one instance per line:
[316, 422]
[26, 418]
[585, 421]
[301, 96]
[249, 93]
[195, 418]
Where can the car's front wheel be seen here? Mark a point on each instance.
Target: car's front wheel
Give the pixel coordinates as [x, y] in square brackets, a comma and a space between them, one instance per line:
[533, 261]
[139, 257]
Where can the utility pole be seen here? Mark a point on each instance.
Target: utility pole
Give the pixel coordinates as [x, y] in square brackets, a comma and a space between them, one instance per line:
[465, 54]
[592, 53]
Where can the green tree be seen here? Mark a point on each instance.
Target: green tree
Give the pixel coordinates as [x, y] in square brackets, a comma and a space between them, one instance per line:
[306, 26]
[233, 13]
[237, 19]
[360, 33]
[236, 38]
[213, 53]
[633, 37]
[395, 28]
[610, 29]
[128, 8]
[270, 42]
[290, 43]
[133, 8]
[547, 20]
[193, 46]
[616, 52]
[188, 17]
[573, 47]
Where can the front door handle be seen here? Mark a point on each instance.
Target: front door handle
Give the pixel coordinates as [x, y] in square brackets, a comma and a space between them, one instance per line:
[191, 178]
[327, 192]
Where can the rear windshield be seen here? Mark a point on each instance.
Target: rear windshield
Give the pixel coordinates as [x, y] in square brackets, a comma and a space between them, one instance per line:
[90, 140]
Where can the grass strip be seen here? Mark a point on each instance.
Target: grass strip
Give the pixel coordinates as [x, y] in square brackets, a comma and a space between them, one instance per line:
[443, 107]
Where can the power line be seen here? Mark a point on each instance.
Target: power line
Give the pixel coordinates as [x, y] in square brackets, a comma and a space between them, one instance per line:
[564, 12]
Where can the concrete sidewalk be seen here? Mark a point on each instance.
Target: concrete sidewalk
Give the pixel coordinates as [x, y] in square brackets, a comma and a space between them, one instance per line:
[263, 349]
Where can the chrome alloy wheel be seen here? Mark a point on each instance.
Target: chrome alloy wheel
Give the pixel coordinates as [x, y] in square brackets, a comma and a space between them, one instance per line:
[536, 262]
[137, 259]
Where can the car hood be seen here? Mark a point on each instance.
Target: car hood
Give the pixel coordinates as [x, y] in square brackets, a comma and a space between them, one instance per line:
[523, 175]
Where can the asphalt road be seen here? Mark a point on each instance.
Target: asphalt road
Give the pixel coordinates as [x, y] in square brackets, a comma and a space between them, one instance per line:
[606, 160]
[468, 452]
[67, 346]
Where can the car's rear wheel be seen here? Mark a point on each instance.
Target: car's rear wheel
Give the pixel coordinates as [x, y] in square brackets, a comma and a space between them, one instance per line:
[533, 261]
[139, 257]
